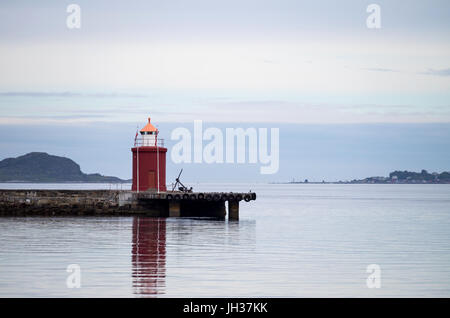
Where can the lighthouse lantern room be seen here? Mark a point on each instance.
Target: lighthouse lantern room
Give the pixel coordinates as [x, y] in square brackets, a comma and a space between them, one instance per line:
[149, 135]
[149, 161]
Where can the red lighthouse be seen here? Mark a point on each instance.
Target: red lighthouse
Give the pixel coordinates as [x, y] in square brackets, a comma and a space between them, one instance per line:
[149, 161]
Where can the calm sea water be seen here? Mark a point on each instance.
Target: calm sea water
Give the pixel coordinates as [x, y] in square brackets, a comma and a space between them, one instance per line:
[293, 241]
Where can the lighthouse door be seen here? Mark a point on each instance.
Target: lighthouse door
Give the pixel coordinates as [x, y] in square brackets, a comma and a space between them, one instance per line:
[151, 180]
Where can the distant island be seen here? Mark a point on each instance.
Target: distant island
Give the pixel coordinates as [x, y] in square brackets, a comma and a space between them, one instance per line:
[42, 167]
[403, 177]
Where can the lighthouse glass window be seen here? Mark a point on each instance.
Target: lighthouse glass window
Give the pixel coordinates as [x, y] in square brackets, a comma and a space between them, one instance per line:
[149, 139]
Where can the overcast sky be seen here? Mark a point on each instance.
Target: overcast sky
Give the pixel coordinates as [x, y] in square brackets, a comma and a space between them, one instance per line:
[258, 63]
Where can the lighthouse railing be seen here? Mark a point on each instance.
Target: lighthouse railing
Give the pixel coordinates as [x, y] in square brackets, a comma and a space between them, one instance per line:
[143, 142]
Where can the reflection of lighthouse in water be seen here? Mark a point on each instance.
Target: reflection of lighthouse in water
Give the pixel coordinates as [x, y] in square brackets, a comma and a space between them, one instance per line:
[149, 256]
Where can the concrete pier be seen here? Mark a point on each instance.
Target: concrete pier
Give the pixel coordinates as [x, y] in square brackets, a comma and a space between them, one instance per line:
[117, 203]
[233, 210]
[174, 209]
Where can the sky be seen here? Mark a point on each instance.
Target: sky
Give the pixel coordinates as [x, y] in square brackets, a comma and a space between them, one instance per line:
[336, 89]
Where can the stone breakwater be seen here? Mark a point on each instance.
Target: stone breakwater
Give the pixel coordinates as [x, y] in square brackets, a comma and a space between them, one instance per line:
[74, 202]
[119, 203]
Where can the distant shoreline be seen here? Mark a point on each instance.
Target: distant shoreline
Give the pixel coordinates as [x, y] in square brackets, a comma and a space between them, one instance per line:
[283, 183]
[66, 182]
[338, 182]
[40, 167]
[395, 177]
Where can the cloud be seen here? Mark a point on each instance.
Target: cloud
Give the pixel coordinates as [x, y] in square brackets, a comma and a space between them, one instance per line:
[435, 72]
[378, 69]
[441, 72]
[279, 111]
[239, 111]
[69, 94]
